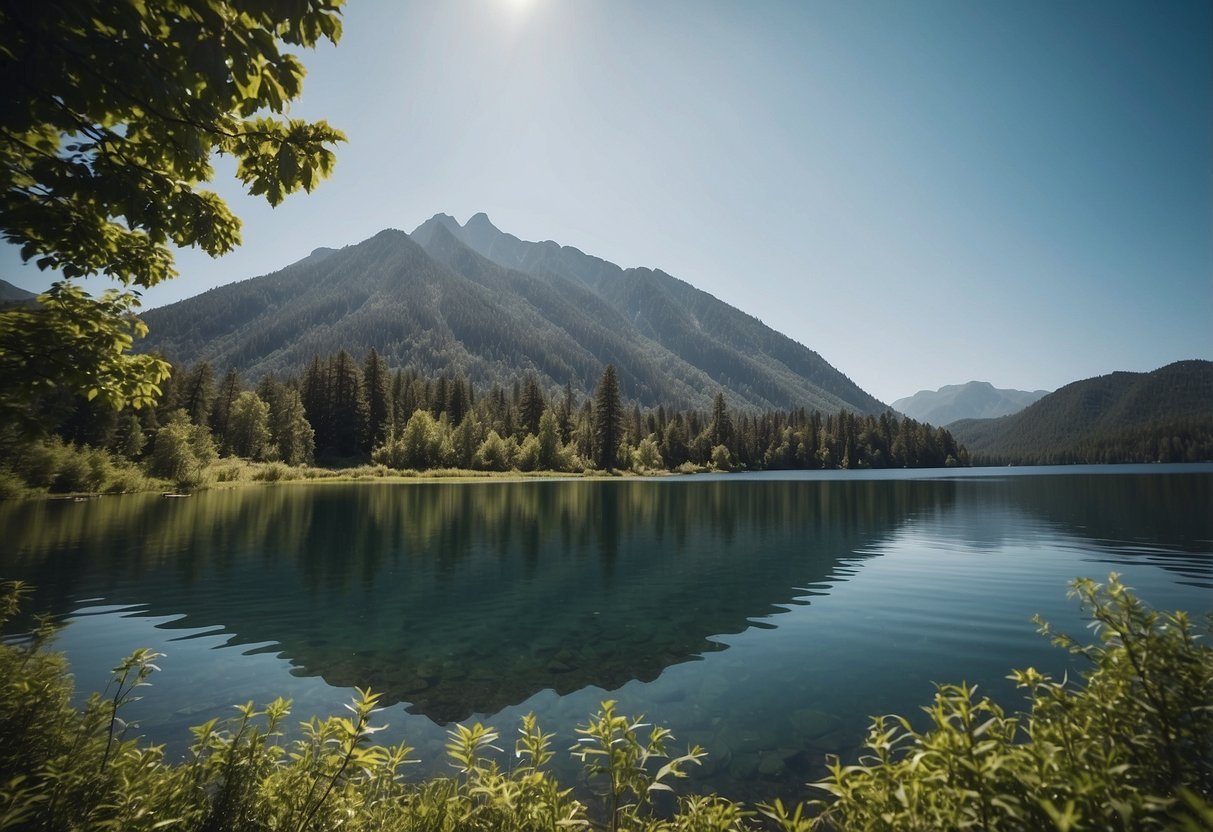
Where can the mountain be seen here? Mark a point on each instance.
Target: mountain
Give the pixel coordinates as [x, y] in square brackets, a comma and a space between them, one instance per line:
[975, 400]
[1117, 417]
[11, 295]
[740, 353]
[475, 301]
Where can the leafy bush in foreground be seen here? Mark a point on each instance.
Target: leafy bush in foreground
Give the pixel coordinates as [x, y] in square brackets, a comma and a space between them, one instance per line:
[1132, 748]
[33, 468]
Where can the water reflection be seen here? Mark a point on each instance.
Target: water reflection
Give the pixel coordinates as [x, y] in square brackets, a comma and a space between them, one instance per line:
[463, 599]
[763, 618]
[1164, 520]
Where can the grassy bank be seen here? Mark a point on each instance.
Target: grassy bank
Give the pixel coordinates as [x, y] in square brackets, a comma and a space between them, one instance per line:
[231, 471]
[56, 469]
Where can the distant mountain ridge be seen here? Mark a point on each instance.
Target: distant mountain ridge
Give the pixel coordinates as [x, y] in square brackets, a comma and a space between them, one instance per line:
[973, 400]
[1089, 420]
[11, 295]
[472, 300]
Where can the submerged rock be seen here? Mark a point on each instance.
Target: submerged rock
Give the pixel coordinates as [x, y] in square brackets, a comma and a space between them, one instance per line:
[810, 723]
[770, 765]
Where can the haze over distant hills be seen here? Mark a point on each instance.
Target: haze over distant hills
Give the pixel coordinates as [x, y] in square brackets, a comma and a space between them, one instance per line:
[974, 400]
[1165, 414]
[472, 300]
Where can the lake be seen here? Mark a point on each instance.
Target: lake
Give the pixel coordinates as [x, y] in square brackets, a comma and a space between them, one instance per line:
[762, 616]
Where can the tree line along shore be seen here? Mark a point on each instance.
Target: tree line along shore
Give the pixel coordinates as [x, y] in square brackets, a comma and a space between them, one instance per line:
[349, 419]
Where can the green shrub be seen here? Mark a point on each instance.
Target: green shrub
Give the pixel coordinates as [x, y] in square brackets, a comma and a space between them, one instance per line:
[127, 479]
[35, 694]
[722, 460]
[275, 472]
[1119, 752]
[182, 452]
[647, 456]
[495, 453]
[12, 487]
[38, 463]
[101, 468]
[422, 444]
[613, 749]
[129, 439]
[229, 471]
[65, 468]
[528, 454]
[74, 474]
[81, 469]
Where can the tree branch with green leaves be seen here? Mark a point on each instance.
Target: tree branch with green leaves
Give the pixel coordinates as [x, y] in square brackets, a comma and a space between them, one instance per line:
[114, 112]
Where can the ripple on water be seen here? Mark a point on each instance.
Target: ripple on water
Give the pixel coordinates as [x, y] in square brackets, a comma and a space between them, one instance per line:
[764, 618]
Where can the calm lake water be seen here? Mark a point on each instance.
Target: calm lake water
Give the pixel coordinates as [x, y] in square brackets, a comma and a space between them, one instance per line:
[764, 617]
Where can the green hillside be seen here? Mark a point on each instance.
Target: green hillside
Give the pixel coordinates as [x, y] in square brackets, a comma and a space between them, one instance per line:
[1165, 415]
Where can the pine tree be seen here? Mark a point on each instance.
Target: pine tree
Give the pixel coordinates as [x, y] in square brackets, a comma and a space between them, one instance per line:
[608, 419]
[498, 414]
[530, 406]
[293, 437]
[316, 395]
[720, 429]
[196, 393]
[466, 440]
[582, 435]
[404, 398]
[674, 442]
[439, 396]
[378, 402]
[221, 411]
[636, 430]
[549, 442]
[129, 439]
[457, 401]
[349, 408]
[564, 414]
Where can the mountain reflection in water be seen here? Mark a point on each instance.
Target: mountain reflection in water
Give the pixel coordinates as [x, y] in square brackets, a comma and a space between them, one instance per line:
[765, 617]
[465, 598]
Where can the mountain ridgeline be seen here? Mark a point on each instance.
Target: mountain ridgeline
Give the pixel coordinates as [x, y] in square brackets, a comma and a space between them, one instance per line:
[1162, 416]
[974, 400]
[11, 295]
[471, 301]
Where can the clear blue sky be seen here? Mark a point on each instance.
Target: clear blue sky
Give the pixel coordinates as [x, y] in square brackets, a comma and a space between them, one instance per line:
[925, 193]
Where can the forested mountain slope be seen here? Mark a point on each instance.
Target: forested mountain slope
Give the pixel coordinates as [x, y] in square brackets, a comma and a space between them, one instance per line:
[1166, 414]
[438, 302]
[739, 352]
[974, 400]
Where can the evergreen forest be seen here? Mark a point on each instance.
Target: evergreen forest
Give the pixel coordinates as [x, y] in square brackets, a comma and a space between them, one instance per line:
[342, 412]
[1161, 416]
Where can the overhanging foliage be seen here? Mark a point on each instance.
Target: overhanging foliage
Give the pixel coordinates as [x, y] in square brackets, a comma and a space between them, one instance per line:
[113, 112]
